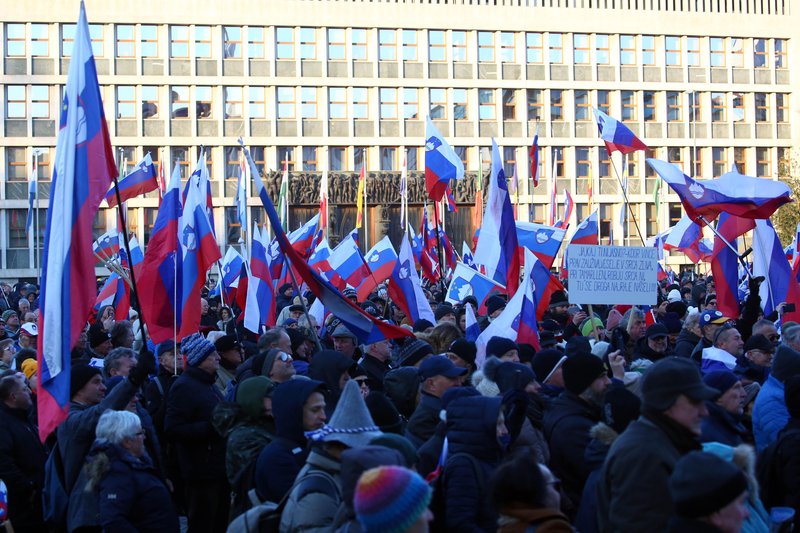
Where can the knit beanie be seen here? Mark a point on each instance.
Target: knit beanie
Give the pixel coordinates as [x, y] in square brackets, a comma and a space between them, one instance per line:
[465, 350]
[79, 376]
[511, 375]
[7, 314]
[722, 380]
[413, 351]
[497, 346]
[703, 483]
[250, 395]
[546, 362]
[196, 348]
[97, 335]
[586, 327]
[29, 367]
[580, 370]
[421, 325]
[785, 364]
[389, 499]
[494, 303]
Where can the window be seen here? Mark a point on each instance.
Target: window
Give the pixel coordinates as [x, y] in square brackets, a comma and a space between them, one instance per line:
[673, 51]
[693, 51]
[411, 104]
[556, 48]
[387, 45]
[231, 42]
[627, 49]
[650, 153]
[360, 103]
[308, 102]
[202, 42]
[508, 52]
[126, 101]
[388, 103]
[781, 108]
[580, 45]
[674, 107]
[284, 43]
[633, 165]
[126, 42]
[463, 154]
[308, 43]
[40, 40]
[336, 44]
[410, 45]
[509, 162]
[718, 107]
[762, 107]
[533, 48]
[781, 52]
[556, 104]
[337, 157]
[203, 95]
[649, 98]
[697, 157]
[149, 101]
[582, 162]
[257, 102]
[181, 158]
[149, 42]
[412, 161]
[310, 158]
[359, 44]
[628, 99]
[15, 40]
[233, 102]
[717, 47]
[737, 53]
[558, 160]
[128, 156]
[40, 101]
[509, 104]
[233, 227]
[784, 160]
[604, 101]
[459, 46]
[695, 109]
[648, 50]
[720, 163]
[760, 53]
[286, 102]
[535, 105]
[438, 103]
[460, 104]
[360, 157]
[337, 103]
[583, 106]
[388, 158]
[15, 101]
[602, 49]
[437, 46]
[179, 41]
[485, 47]
[68, 39]
[763, 166]
[286, 157]
[486, 107]
[740, 159]
[255, 42]
[17, 164]
[603, 164]
[675, 156]
[652, 219]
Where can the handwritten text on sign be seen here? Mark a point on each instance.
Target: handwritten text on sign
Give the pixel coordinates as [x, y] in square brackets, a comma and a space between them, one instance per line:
[612, 274]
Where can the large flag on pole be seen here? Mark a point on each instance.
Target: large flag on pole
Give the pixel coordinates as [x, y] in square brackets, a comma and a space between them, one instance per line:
[83, 170]
[724, 262]
[142, 180]
[260, 304]
[543, 241]
[617, 136]
[442, 164]
[405, 289]
[467, 281]
[770, 261]
[283, 196]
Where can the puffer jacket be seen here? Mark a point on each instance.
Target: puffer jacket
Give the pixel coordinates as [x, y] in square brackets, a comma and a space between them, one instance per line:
[769, 413]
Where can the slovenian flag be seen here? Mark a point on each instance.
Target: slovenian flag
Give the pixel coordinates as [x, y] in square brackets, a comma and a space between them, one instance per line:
[442, 164]
[617, 136]
[142, 180]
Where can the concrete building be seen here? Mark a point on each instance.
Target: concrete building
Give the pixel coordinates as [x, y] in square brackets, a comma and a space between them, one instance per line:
[336, 84]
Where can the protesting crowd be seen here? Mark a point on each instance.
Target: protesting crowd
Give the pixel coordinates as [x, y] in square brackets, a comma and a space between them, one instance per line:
[629, 420]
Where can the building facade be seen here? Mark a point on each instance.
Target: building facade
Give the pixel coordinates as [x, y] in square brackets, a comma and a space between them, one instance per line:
[335, 85]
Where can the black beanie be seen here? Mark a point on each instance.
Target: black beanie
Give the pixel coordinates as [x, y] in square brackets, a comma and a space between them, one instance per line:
[546, 362]
[79, 376]
[513, 375]
[702, 484]
[464, 349]
[498, 346]
[580, 370]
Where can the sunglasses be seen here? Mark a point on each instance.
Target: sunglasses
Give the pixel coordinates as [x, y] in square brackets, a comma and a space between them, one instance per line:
[284, 357]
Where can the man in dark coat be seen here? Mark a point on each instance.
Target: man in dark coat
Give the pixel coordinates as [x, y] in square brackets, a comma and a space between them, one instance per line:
[376, 363]
[654, 345]
[438, 374]
[200, 449]
[22, 456]
[723, 423]
[574, 413]
[633, 490]
[331, 368]
[689, 336]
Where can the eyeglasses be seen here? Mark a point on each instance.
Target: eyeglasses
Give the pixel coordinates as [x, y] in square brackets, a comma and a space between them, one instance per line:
[284, 357]
[774, 338]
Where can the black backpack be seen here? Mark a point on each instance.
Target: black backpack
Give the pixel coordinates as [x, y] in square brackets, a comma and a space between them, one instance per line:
[769, 470]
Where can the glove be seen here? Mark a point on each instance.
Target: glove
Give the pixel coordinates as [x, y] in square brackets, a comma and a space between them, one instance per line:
[141, 372]
[754, 283]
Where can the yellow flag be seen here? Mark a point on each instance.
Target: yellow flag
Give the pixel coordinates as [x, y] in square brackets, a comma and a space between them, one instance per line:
[360, 199]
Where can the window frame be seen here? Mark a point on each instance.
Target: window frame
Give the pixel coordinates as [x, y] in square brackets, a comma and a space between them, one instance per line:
[232, 42]
[16, 41]
[178, 42]
[410, 47]
[127, 101]
[286, 102]
[337, 103]
[556, 105]
[486, 47]
[254, 100]
[532, 50]
[673, 51]
[581, 51]
[124, 42]
[438, 103]
[387, 50]
[487, 110]
[412, 104]
[436, 49]
[555, 46]
[18, 100]
[388, 103]
[307, 41]
[285, 50]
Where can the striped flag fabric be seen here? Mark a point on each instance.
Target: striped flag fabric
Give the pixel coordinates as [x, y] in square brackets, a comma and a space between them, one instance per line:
[142, 180]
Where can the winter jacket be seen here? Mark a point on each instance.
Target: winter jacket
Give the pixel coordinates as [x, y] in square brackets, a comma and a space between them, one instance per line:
[697, 351]
[200, 449]
[471, 430]
[155, 394]
[685, 344]
[328, 367]
[788, 457]
[603, 436]
[245, 437]
[133, 497]
[401, 386]
[633, 489]
[22, 458]
[722, 426]
[679, 524]
[278, 464]
[422, 423]
[376, 370]
[643, 351]
[566, 427]
[769, 413]
[515, 519]
[315, 497]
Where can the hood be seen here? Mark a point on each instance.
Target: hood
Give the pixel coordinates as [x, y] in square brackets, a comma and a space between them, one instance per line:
[287, 407]
[401, 386]
[356, 461]
[327, 366]
[786, 363]
[697, 291]
[472, 427]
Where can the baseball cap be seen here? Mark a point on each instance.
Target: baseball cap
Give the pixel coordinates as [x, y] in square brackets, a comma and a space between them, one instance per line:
[712, 317]
[439, 365]
[655, 331]
[30, 329]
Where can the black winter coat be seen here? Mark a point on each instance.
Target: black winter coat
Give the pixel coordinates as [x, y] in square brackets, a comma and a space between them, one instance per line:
[685, 344]
[422, 424]
[722, 426]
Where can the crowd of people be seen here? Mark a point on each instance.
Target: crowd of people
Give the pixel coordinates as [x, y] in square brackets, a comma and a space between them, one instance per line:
[626, 420]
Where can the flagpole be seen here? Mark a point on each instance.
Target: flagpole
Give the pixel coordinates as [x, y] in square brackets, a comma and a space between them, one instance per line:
[296, 287]
[366, 210]
[438, 244]
[729, 245]
[625, 196]
[36, 154]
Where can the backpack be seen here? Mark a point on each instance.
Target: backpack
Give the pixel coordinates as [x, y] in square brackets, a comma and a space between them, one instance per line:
[769, 470]
[55, 497]
[438, 505]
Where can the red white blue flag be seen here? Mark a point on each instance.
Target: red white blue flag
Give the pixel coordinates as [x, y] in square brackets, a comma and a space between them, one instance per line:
[380, 259]
[142, 180]
[617, 136]
[543, 241]
[405, 289]
[442, 164]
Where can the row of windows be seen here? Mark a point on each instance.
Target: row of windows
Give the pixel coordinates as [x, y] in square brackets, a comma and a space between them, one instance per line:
[338, 103]
[305, 43]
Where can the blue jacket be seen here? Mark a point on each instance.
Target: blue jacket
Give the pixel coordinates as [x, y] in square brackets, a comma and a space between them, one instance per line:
[471, 430]
[280, 461]
[721, 426]
[769, 413]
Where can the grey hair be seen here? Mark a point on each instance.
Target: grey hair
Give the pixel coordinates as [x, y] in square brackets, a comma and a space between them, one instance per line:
[691, 320]
[760, 324]
[790, 335]
[116, 426]
[112, 361]
[270, 339]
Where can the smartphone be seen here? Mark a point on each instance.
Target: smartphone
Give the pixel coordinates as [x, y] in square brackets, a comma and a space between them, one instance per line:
[789, 308]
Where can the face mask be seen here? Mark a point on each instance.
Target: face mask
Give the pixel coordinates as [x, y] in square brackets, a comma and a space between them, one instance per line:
[505, 441]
